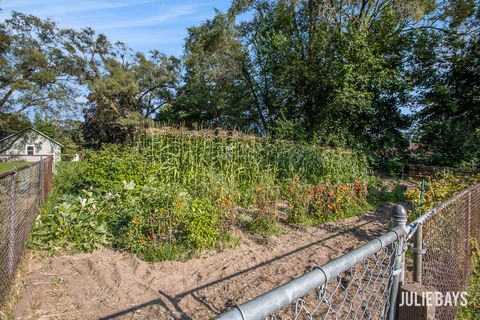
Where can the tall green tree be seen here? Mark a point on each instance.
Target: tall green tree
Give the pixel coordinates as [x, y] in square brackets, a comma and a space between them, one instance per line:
[67, 132]
[449, 111]
[333, 71]
[215, 90]
[34, 72]
[124, 88]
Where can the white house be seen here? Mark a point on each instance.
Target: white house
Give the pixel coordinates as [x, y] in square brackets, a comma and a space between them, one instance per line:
[29, 144]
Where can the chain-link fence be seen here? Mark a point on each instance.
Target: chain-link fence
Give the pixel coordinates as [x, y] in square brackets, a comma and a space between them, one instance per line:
[22, 158]
[364, 283]
[21, 194]
[71, 157]
[360, 292]
[358, 285]
[445, 249]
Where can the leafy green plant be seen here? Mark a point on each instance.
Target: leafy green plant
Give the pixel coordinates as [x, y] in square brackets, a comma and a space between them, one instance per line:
[381, 192]
[200, 226]
[439, 188]
[78, 223]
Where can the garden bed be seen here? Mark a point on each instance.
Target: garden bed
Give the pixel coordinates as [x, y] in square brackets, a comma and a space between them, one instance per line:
[113, 284]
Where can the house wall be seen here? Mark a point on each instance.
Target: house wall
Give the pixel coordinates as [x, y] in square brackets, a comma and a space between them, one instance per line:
[18, 143]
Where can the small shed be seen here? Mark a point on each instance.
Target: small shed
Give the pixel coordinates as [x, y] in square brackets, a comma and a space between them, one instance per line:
[30, 143]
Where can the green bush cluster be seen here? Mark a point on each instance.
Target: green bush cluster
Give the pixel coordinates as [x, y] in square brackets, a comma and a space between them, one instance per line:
[176, 193]
[153, 221]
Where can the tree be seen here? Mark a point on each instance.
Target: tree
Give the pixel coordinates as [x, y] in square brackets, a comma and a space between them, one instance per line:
[123, 88]
[449, 88]
[67, 132]
[331, 69]
[215, 91]
[34, 72]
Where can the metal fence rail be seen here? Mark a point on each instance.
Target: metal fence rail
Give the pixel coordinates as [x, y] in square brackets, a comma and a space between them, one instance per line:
[364, 283]
[21, 193]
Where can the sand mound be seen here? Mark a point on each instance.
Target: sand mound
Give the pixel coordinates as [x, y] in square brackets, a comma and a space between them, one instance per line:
[114, 285]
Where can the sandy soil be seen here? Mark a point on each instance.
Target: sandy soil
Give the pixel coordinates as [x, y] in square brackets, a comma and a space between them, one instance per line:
[115, 285]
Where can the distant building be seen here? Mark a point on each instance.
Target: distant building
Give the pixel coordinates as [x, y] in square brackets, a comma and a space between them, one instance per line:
[28, 145]
[414, 146]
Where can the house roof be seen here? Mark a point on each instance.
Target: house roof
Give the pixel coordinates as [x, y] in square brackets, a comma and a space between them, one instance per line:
[35, 130]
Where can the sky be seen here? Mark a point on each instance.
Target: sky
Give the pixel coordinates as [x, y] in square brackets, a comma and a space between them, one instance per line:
[142, 24]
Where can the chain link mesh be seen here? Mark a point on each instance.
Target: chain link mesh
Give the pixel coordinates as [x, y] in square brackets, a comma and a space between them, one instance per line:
[363, 291]
[360, 292]
[22, 158]
[21, 193]
[447, 235]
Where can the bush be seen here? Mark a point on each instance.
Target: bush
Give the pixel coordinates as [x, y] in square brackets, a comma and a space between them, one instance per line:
[318, 203]
[148, 221]
[439, 188]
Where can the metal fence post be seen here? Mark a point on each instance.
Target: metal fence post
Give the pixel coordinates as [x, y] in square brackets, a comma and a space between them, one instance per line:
[41, 182]
[418, 254]
[418, 243]
[399, 219]
[11, 227]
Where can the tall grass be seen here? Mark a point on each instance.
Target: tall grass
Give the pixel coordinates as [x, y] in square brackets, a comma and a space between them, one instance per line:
[190, 157]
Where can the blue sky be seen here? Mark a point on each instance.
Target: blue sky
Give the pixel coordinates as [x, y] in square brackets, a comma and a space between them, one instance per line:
[142, 24]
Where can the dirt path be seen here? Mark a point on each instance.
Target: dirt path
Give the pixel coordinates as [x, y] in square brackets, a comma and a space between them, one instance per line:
[114, 285]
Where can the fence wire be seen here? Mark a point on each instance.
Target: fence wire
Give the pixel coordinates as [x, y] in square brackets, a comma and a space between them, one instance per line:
[366, 288]
[21, 194]
[33, 158]
[360, 292]
[447, 236]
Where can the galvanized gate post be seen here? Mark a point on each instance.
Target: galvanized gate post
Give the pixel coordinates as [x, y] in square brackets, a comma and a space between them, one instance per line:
[418, 242]
[399, 219]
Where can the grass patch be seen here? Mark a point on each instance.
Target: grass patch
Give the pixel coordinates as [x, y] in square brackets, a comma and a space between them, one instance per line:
[8, 166]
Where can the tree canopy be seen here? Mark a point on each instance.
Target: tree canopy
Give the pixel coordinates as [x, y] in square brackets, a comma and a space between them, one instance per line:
[352, 73]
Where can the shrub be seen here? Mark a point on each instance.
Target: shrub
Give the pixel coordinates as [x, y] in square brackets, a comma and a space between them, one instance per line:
[106, 170]
[317, 203]
[380, 191]
[439, 188]
[200, 225]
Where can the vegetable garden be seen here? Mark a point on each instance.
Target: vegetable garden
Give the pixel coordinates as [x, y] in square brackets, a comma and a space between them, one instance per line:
[177, 192]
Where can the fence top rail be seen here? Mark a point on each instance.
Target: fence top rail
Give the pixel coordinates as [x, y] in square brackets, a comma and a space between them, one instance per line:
[15, 170]
[413, 226]
[23, 155]
[266, 304]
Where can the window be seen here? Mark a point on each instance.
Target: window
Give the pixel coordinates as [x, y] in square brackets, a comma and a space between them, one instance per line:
[30, 150]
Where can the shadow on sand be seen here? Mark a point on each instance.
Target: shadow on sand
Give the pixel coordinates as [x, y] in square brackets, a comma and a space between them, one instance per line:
[171, 303]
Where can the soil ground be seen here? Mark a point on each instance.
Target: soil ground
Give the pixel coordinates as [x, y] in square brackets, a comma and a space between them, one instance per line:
[115, 285]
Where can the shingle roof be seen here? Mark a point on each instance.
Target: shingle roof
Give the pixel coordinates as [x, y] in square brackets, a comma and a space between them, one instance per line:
[33, 129]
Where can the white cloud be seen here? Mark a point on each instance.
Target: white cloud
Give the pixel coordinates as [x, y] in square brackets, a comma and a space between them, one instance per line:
[170, 15]
[142, 24]
[58, 7]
